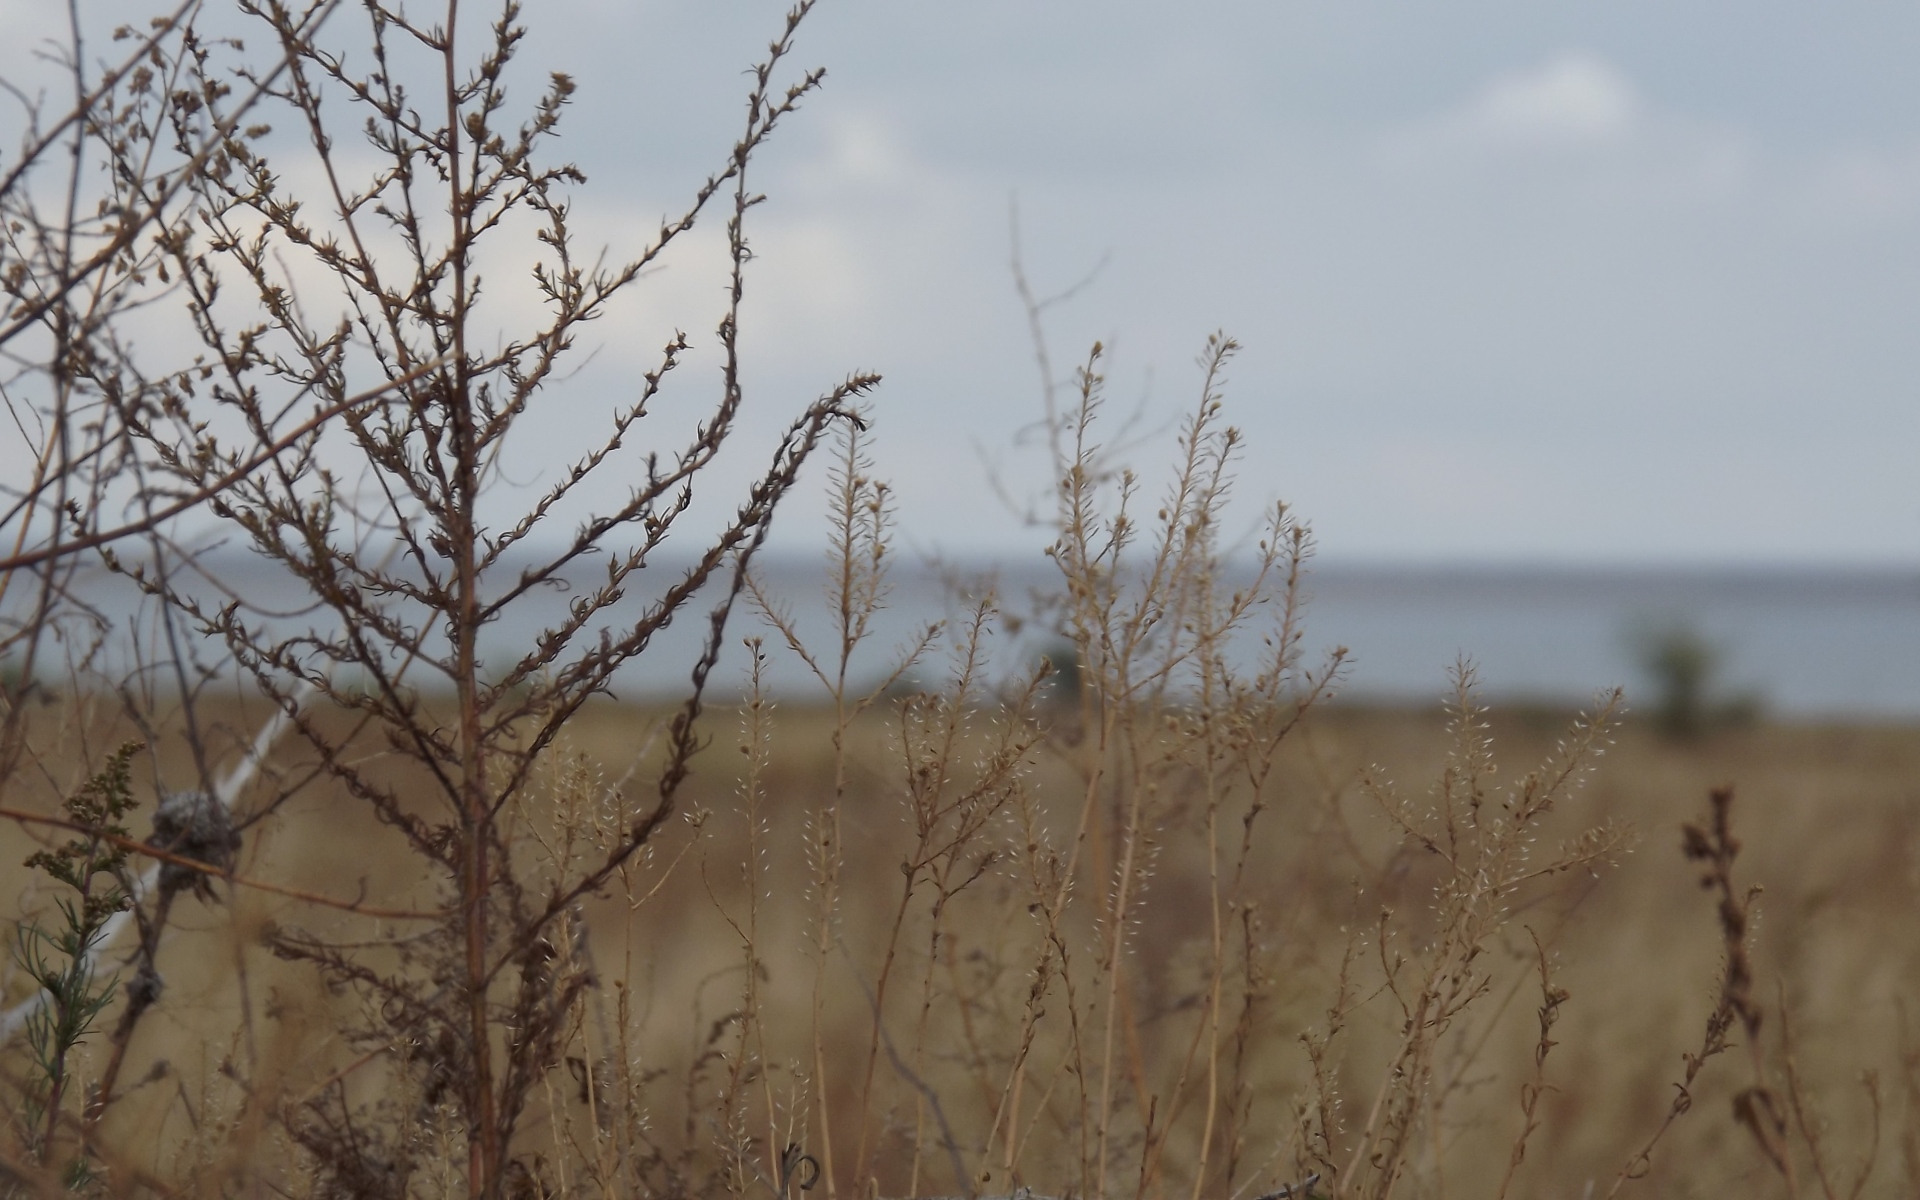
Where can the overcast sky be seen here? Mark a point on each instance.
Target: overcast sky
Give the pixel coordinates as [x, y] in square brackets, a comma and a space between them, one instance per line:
[1515, 280]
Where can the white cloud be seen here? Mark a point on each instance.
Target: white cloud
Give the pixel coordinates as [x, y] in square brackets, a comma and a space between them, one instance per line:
[1575, 97]
[1572, 107]
[1571, 132]
[864, 150]
[1864, 185]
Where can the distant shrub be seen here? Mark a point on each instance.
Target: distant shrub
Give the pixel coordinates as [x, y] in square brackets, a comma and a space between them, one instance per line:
[1683, 669]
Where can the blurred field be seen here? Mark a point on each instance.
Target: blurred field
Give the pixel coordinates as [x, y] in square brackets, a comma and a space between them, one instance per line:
[1830, 818]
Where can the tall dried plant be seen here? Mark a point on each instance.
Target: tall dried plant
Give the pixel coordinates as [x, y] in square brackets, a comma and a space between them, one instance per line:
[1024, 929]
[351, 431]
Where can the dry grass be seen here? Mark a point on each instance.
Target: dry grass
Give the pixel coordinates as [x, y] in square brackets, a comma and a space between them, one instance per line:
[1148, 919]
[1172, 935]
[1827, 816]
[1179, 929]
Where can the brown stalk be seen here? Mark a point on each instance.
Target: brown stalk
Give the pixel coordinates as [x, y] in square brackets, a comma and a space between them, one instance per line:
[1551, 998]
[224, 483]
[1713, 844]
[141, 848]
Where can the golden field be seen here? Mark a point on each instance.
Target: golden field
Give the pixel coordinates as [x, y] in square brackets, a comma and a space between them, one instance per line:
[695, 1084]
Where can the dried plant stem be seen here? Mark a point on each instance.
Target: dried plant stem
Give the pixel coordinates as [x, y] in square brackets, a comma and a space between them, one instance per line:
[1551, 998]
[1713, 844]
[135, 846]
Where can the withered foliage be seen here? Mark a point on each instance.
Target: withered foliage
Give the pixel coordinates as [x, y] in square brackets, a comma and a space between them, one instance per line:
[1062, 895]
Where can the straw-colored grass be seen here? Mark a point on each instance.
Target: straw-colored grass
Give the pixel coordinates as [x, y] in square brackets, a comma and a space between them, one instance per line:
[1826, 815]
[1146, 918]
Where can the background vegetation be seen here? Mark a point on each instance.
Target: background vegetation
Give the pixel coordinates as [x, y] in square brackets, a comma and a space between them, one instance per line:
[339, 903]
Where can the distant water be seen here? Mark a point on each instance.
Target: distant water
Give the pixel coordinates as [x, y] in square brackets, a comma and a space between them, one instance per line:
[1803, 642]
